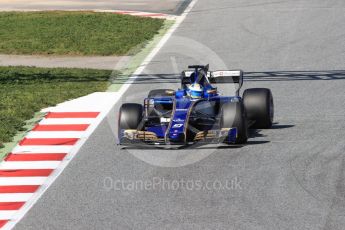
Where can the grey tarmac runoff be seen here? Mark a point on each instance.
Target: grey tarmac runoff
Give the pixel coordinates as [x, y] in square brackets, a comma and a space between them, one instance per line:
[288, 177]
[154, 6]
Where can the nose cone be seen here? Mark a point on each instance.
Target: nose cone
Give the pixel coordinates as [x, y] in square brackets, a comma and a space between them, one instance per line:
[177, 137]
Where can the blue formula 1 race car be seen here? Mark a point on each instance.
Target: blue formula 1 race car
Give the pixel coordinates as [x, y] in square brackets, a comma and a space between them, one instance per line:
[197, 112]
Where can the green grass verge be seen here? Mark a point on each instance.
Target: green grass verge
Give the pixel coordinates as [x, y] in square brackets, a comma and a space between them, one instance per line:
[26, 90]
[74, 33]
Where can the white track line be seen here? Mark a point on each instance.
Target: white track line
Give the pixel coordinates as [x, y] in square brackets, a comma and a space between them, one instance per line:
[15, 197]
[43, 149]
[22, 181]
[94, 122]
[9, 165]
[56, 134]
[66, 121]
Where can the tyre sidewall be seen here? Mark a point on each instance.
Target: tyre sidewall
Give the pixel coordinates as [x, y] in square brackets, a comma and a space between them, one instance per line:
[233, 115]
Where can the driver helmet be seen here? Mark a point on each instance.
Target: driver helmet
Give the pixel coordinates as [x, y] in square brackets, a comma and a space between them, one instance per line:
[195, 90]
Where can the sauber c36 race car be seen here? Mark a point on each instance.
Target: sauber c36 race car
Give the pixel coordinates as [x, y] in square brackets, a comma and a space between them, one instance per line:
[197, 112]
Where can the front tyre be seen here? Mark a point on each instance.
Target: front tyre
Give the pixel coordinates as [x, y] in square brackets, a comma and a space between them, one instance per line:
[233, 115]
[259, 106]
[130, 116]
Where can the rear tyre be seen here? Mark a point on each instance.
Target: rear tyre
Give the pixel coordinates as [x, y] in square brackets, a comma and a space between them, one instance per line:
[259, 106]
[130, 116]
[233, 115]
[161, 93]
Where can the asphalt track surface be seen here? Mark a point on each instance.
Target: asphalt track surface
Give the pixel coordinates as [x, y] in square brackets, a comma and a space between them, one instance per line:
[288, 177]
[157, 6]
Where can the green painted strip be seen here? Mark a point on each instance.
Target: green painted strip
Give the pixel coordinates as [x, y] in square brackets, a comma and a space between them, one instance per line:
[117, 80]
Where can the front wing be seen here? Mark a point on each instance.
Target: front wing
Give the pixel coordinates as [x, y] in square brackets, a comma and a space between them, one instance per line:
[130, 136]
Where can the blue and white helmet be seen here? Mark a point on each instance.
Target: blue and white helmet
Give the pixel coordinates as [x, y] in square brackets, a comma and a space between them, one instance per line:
[195, 91]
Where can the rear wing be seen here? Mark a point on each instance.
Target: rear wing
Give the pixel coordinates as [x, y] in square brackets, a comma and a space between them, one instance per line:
[217, 77]
[227, 76]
